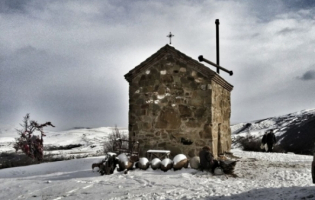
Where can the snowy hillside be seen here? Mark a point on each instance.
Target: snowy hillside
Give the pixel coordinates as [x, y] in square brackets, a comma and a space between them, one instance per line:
[83, 141]
[295, 132]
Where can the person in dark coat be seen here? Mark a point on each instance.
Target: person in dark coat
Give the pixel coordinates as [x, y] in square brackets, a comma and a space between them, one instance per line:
[270, 140]
[207, 161]
[263, 142]
[108, 165]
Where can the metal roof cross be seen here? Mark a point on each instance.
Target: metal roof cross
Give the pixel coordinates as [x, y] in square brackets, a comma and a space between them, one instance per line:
[170, 36]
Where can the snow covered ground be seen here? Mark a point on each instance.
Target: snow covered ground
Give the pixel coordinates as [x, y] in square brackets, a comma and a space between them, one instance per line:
[260, 176]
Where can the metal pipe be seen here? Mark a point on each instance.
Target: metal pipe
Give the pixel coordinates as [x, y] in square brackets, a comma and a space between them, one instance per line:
[201, 58]
[217, 22]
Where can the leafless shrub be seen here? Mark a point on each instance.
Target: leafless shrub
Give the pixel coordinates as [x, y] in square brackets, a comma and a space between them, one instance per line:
[30, 144]
[8, 160]
[278, 148]
[112, 138]
[251, 143]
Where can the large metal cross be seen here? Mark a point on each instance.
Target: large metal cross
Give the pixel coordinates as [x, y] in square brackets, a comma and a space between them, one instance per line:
[170, 36]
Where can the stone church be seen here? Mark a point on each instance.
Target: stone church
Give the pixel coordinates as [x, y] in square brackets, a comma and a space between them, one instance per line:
[178, 104]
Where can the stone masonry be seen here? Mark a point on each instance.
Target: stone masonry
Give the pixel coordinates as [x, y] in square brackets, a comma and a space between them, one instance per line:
[178, 104]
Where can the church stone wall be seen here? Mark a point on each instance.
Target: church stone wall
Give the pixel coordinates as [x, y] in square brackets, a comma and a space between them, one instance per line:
[221, 112]
[170, 108]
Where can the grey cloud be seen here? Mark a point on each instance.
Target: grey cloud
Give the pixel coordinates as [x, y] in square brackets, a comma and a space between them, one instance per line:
[254, 35]
[285, 31]
[9, 6]
[298, 4]
[309, 75]
[268, 10]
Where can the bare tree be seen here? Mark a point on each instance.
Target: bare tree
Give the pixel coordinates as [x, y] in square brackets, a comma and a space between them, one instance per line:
[31, 145]
[112, 138]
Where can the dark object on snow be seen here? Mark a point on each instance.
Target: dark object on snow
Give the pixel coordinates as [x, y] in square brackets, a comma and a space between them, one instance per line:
[313, 169]
[143, 163]
[228, 166]
[180, 161]
[155, 163]
[264, 139]
[124, 162]
[269, 138]
[98, 165]
[168, 166]
[108, 165]
[207, 161]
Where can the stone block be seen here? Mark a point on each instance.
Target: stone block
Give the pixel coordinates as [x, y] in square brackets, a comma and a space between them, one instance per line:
[140, 101]
[162, 145]
[192, 123]
[199, 113]
[167, 78]
[161, 90]
[164, 135]
[168, 119]
[184, 80]
[200, 142]
[146, 126]
[203, 93]
[182, 70]
[207, 131]
[184, 111]
[174, 149]
[197, 102]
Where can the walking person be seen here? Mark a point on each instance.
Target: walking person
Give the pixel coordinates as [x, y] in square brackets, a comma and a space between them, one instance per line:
[271, 140]
[264, 142]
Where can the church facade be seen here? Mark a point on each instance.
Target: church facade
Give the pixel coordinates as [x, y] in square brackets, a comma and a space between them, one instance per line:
[178, 104]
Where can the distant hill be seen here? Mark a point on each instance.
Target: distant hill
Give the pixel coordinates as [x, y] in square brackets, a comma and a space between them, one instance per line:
[80, 140]
[295, 132]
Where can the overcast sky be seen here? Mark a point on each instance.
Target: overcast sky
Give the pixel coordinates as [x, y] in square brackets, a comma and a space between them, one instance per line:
[65, 61]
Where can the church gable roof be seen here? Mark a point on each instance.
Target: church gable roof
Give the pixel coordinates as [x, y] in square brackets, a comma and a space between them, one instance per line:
[193, 64]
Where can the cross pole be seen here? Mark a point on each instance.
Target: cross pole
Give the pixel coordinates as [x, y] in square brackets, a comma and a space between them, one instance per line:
[170, 36]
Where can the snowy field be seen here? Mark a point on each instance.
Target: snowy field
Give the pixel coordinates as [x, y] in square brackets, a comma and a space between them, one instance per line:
[260, 176]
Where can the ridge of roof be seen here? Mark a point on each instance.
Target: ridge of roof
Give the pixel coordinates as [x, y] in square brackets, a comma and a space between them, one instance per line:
[207, 72]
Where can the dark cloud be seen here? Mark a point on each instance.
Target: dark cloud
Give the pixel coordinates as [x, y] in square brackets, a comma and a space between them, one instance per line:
[309, 75]
[269, 10]
[8, 6]
[299, 4]
[286, 31]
